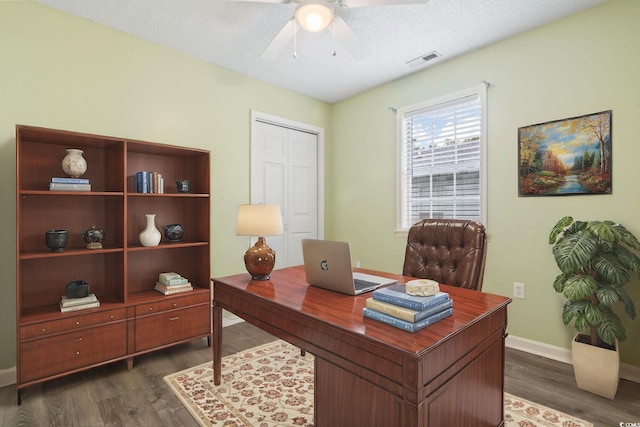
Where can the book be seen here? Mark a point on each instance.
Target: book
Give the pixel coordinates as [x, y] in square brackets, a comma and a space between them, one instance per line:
[403, 324]
[171, 291]
[70, 180]
[79, 307]
[173, 287]
[407, 314]
[68, 302]
[175, 281]
[168, 276]
[397, 295]
[62, 186]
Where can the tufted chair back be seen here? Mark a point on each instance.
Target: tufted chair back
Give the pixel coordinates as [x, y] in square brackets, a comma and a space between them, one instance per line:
[450, 251]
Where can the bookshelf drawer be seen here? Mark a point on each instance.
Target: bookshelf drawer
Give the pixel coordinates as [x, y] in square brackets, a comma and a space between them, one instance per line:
[45, 357]
[172, 303]
[171, 327]
[71, 323]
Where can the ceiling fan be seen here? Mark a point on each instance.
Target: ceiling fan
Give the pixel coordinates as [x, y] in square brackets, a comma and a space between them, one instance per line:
[318, 15]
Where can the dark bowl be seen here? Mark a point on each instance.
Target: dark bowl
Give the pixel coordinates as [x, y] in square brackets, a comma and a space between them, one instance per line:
[56, 240]
[174, 232]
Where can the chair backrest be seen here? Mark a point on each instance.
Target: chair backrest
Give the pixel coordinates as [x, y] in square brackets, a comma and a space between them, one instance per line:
[450, 251]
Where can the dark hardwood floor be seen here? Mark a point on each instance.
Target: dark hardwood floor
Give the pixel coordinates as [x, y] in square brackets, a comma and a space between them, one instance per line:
[113, 396]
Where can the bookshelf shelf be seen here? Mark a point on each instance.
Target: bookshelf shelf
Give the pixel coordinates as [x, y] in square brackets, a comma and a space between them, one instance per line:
[122, 274]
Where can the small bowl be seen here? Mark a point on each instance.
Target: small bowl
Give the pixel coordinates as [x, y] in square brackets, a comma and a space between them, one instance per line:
[56, 239]
[174, 232]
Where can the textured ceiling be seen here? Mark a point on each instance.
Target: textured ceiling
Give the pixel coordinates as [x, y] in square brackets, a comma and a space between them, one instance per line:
[233, 34]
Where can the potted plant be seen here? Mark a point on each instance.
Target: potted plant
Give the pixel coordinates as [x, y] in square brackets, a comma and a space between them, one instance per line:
[596, 260]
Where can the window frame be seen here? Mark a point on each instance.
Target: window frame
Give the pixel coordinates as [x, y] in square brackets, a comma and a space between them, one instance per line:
[481, 92]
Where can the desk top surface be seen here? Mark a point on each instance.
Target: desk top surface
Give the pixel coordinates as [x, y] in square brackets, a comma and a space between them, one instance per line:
[289, 290]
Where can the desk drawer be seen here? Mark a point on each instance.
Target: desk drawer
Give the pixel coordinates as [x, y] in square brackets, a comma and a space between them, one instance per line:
[40, 358]
[73, 322]
[171, 303]
[172, 326]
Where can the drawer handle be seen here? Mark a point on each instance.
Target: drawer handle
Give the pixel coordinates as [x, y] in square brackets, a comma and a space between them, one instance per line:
[174, 318]
[175, 305]
[77, 353]
[78, 323]
[77, 340]
[44, 330]
[111, 317]
[150, 308]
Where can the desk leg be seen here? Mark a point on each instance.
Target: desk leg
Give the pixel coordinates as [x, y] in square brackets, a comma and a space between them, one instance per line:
[217, 345]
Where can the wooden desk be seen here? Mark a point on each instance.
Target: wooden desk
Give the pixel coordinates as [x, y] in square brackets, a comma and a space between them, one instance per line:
[371, 374]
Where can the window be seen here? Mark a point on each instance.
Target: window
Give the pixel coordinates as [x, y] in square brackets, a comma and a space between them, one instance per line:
[442, 146]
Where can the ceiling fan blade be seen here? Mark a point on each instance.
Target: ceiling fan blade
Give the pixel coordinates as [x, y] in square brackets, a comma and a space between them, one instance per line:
[365, 3]
[347, 38]
[264, 1]
[280, 40]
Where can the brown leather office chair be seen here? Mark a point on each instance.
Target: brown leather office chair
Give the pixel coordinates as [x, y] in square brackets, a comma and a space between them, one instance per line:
[449, 251]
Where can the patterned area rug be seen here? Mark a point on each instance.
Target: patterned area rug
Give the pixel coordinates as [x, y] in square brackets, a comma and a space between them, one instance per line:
[272, 385]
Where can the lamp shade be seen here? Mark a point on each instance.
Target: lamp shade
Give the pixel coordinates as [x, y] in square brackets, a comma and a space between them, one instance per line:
[259, 220]
[314, 17]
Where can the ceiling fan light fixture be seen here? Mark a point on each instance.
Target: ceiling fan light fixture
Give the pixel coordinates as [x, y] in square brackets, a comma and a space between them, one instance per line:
[314, 17]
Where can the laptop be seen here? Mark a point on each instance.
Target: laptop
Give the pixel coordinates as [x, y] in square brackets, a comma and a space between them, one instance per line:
[327, 264]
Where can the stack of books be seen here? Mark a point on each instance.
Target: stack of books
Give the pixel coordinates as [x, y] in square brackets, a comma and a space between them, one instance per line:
[394, 306]
[69, 184]
[148, 182]
[75, 304]
[172, 283]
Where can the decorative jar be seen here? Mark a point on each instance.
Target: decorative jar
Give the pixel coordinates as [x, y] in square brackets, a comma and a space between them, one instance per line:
[94, 237]
[74, 164]
[150, 236]
[174, 232]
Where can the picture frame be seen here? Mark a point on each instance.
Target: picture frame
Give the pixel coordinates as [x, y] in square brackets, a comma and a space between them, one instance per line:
[564, 157]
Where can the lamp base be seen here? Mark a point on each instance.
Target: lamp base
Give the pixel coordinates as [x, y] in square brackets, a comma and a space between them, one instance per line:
[259, 260]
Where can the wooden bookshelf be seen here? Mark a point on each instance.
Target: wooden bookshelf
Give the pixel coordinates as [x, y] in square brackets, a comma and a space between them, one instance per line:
[132, 318]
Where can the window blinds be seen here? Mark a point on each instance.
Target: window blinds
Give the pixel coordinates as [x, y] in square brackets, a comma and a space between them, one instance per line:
[440, 160]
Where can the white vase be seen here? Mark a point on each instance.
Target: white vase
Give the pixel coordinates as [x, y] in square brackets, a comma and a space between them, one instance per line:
[150, 236]
[73, 164]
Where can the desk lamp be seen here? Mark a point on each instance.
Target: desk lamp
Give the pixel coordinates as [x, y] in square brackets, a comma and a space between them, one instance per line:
[259, 220]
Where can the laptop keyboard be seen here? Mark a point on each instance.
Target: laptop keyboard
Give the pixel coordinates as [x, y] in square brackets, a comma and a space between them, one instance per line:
[360, 284]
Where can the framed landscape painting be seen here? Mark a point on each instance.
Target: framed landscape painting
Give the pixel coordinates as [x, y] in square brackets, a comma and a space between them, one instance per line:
[566, 157]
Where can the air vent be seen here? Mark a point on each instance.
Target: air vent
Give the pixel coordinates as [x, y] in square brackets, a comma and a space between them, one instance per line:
[423, 58]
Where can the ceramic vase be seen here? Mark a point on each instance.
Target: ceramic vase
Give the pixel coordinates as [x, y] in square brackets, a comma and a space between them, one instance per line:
[74, 164]
[150, 236]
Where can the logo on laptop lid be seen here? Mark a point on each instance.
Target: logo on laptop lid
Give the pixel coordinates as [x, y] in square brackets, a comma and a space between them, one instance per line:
[324, 265]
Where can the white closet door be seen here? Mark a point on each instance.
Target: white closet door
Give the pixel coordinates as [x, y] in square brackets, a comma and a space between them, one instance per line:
[284, 171]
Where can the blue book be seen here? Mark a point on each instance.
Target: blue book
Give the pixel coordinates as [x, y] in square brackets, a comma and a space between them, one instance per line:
[397, 295]
[144, 187]
[70, 180]
[405, 313]
[403, 324]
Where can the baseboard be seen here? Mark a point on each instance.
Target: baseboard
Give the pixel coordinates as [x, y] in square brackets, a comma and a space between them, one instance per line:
[7, 376]
[627, 372]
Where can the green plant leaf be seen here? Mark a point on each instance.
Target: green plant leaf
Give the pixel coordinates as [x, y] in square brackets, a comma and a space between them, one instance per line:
[571, 310]
[607, 295]
[604, 230]
[593, 315]
[629, 306]
[609, 269]
[628, 238]
[573, 253]
[627, 258]
[558, 228]
[611, 328]
[578, 288]
[558, 284]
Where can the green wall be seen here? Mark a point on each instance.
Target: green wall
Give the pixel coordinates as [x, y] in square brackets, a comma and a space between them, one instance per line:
[64, 72]
[583, 64]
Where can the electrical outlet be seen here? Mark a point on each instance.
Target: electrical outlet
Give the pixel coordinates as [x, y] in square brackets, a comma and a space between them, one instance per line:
[357, 263]
[518, 290]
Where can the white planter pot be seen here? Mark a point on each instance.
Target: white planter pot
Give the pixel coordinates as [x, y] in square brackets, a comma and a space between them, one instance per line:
[597, 370]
